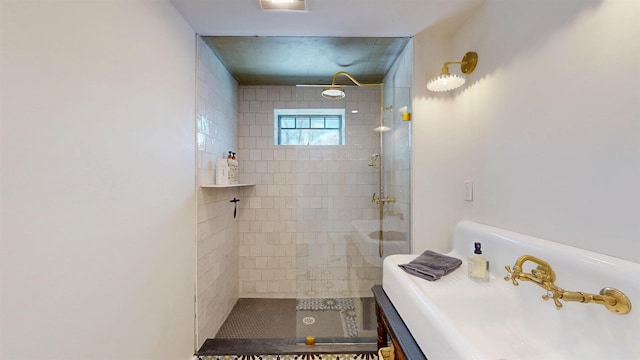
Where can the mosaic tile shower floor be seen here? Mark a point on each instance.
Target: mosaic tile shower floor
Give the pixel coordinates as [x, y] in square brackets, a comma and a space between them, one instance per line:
[272, 329]
[346, 318]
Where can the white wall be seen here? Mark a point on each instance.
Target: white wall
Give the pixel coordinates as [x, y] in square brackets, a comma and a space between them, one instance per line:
[547, 127]
[98, 202]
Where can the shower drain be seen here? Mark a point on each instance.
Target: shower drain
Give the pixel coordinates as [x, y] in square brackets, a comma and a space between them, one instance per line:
[308, 320]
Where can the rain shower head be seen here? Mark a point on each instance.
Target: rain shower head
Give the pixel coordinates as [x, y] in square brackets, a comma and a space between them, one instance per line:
[335, 92]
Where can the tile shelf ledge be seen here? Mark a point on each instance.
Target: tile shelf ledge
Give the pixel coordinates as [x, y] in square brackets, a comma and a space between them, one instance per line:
[226, 186]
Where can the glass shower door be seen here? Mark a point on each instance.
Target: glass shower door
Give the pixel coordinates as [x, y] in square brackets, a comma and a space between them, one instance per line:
[337, 224]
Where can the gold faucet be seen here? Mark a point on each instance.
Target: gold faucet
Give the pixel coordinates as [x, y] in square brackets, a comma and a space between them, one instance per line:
[541, 275]
[544, 276]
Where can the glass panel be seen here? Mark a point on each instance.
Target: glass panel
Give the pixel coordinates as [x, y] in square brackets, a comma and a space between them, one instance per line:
[304, 137]
[317, 123]
[332, 123]
[292, 137]
[302, 123]
[336, 225]
[324, 137]
[287, 122]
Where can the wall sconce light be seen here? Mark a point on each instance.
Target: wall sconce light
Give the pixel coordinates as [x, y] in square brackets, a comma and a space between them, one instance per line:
[446, 81]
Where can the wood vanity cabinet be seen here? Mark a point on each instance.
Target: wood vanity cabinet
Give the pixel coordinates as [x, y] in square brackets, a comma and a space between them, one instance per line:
[391, 327]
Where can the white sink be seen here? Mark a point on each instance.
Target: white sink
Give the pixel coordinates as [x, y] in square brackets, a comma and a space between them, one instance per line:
[455, 318]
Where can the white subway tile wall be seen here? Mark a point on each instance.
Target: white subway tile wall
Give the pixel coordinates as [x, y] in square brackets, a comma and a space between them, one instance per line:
[295, 232]
[217, 248]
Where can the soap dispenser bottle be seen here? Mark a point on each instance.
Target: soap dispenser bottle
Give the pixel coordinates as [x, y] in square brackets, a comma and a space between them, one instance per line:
[233, 168]
[478, 265]
[222, 171]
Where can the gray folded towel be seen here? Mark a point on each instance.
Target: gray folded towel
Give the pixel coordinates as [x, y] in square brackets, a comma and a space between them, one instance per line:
[431, 265]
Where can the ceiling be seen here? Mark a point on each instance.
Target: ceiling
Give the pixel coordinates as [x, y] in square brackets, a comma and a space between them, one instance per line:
[362, 37]
[285, 60]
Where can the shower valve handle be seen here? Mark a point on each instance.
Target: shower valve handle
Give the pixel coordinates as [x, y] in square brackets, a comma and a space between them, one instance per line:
[374, 199]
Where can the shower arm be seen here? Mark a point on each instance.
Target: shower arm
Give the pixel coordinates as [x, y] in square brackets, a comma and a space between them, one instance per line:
[381, 85]
[335, 76]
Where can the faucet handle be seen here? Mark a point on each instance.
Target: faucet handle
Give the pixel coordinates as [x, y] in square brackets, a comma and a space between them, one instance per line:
[543, 273]
[538, 273]
[552, 294]
[511, 275]
[373, 198]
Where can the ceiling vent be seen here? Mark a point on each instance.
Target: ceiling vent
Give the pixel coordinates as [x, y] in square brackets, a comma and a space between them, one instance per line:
[287, 5]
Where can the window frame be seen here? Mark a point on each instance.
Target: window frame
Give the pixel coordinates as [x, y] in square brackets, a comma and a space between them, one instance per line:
[311, 114]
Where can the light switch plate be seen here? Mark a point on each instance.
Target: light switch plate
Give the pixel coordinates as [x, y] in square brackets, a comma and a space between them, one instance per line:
[468, 190]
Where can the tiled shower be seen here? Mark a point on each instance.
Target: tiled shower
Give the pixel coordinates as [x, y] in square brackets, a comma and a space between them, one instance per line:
[293, 235]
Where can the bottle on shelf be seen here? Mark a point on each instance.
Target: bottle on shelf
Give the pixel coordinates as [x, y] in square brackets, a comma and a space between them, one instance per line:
[222, 171]
[233, 168]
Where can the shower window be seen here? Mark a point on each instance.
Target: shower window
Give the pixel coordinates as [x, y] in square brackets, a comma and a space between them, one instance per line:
[309, 127]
